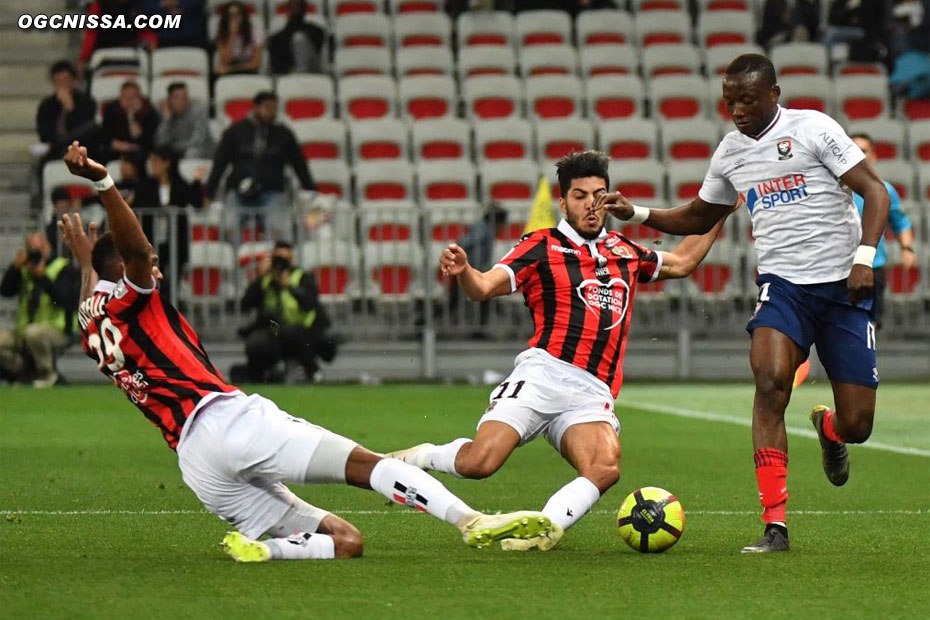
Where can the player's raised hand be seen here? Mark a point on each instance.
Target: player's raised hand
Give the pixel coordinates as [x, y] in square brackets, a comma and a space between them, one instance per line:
[861, 283]
[73, 236]
[453, 260]
[616, 204]
[81, 165]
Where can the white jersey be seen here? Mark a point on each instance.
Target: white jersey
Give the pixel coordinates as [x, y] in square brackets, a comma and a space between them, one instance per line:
[804, 221]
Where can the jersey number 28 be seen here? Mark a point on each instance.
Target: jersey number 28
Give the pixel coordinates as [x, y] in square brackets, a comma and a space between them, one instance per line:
[106, 345]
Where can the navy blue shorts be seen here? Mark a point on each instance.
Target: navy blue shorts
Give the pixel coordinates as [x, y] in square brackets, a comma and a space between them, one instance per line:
[820, 314]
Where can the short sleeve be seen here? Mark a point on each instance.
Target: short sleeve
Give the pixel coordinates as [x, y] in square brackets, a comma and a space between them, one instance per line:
[716, 188]
[521, 262]
[650, 265]
[829, 142]
[129, 299]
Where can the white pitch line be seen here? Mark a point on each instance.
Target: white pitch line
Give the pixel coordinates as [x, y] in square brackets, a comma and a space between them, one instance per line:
[791, 430]
[402, 512]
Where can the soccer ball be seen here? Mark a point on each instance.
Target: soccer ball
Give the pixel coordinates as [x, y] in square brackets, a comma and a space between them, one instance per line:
[651, 520]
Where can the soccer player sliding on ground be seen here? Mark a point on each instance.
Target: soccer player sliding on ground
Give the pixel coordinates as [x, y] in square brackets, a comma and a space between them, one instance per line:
[792, 168]
[579, 281]
[235, 451]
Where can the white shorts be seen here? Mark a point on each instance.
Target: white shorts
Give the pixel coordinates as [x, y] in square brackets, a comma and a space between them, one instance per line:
[237, 451]
[545, 394]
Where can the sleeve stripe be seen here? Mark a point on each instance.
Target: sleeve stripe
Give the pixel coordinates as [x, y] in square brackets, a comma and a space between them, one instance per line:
[513, 278]
[655, 274]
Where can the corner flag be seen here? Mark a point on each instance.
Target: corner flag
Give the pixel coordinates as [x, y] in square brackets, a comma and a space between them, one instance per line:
[541, 213]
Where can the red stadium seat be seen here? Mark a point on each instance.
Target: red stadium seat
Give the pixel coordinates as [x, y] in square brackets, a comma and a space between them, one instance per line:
[629, 139]
[603, 27]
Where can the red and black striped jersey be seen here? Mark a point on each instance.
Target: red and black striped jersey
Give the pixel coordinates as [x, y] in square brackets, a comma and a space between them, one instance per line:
[580, 293]
[144, 345]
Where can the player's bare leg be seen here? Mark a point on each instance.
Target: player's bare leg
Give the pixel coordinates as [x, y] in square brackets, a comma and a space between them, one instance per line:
[466, 458]
[774, 358]
[851, 422]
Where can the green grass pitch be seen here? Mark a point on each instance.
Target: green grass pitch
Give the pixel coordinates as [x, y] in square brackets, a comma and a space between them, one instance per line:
[96, 523]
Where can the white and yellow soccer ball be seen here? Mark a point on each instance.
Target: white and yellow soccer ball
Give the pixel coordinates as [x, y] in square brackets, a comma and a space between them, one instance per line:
[651, 520]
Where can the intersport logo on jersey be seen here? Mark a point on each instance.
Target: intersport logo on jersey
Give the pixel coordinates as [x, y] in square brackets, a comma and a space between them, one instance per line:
[788, 189]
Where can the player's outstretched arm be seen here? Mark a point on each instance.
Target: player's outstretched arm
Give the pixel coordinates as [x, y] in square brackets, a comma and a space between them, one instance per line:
[695, 218]
[477, 285]
[687, 255]
[863, 180]
[81, 246]
[130, 241]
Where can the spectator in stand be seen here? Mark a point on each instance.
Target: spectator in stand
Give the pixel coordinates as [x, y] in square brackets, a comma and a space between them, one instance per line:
[48, 290]
[65, 115]
[478, 242]
[908, 28]
[258, 148]
[185, 126]
[789, 20]
[192, 31]
[62, 203]
[129, 124]
[299, 47]
[900, 225]
[861, 24]
[131, 174]
[99, 38]
[238, 44]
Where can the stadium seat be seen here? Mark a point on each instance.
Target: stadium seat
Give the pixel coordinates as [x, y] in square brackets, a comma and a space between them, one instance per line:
[889, 136]
[422, 30]
[805, 92]
[553, 96]
[406, 7]
[351, 61]
[105, 88]
[920, 141]
[385, 182]
[180, 62]
[923, 187]
[335, 266]
[800, 59]
[444, 139]
[427, 97]
[691, 139]
[714, 276]
[725, 28]
[604, 27]
[859, 68]
[556, 138]
[543, 27]
[485, 28]
[613, 97]
[719, 57]
[341, 8]
[493, 96]
[445, 225]
[332, 177]
[671, 59]
[446, 184]
[279, 7]
[503, 139]
[900, 174]
[233, 95]
[189, 167]
[917, 109]
[663, 27]
[55, 174]
[862, 96]
[321, 138]
[728, 5]
[634, 138]
[197, 89]
[645, 6]
[306, 96]
[511, 183]
[363, 30]
[384, 139]
[900, 280]
[485, 60]
[125, 62]
[640, 180]
[685, 180]
[367, 97]
[548, 59]
[413, 61]
[678, 97]
[210, 265]
[393, 269]
[621, 59]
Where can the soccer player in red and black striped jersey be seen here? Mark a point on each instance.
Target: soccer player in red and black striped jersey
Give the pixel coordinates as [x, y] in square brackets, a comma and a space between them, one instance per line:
[235, 451]
[579, 281]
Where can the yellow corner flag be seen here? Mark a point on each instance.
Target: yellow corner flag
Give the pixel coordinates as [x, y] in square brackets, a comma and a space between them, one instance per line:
[541, 215]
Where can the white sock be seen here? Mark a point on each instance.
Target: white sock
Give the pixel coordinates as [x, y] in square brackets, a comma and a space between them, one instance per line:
[302, 546]
[439, 458]
[406, 484]
[571, 502]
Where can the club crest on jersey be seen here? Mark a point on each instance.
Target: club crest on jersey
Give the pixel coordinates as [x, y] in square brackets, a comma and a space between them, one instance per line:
[612, 296]
[784, 149]
[784, 190]
[622, 251]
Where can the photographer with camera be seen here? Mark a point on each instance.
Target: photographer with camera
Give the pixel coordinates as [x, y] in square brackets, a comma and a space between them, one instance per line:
[48, 290]
[291, 323]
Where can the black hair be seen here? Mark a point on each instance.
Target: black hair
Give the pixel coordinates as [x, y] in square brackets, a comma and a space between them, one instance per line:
[754, 63]
[862, 136]
[105, 259]
[60, 193]
[173, 86]
[62, 65]
[131, 84]
[245, 34]
[167, 153]
[579, 165]
[285, 245]
[263, 96]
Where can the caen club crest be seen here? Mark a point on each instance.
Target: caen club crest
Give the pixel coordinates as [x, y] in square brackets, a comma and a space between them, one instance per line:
[784, 149]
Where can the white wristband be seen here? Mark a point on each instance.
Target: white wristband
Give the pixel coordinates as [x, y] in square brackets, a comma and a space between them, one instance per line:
[865, 255]
[640, 215]
[103, 184]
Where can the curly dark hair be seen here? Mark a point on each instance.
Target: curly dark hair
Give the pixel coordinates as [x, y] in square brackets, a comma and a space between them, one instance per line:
[579, 165]
[223, 33]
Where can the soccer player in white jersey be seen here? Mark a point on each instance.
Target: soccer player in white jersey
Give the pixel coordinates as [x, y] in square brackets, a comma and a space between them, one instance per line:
[794, 170]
